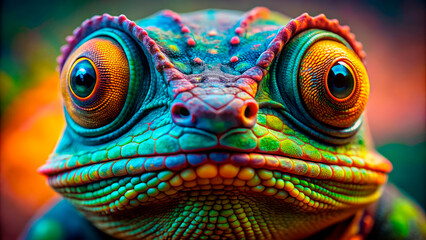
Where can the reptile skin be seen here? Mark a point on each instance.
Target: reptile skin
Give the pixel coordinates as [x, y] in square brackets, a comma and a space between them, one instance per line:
[219, 125]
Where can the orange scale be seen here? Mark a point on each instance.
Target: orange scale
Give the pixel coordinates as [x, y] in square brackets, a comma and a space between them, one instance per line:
[338, 173]
[326, 171]
[314, 170]
[348, 174]
[300, 167]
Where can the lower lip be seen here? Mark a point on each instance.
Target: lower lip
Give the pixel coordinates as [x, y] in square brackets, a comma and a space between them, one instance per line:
[211, 165]
[215, 179]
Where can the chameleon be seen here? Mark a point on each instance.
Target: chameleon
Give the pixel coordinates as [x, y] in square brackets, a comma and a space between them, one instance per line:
[219, 124]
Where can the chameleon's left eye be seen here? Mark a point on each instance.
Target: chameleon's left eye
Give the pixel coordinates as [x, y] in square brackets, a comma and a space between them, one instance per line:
[323, 83]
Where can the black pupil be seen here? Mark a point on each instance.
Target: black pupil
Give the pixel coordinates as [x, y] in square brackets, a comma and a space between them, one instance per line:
[340, 81]
[83, 78]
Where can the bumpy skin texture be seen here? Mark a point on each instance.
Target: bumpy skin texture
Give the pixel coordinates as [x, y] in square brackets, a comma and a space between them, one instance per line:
[214, 140]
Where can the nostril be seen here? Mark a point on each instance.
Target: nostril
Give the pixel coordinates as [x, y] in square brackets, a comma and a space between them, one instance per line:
[248, 112]
[180, 111]
[183, 112]
[251, 110]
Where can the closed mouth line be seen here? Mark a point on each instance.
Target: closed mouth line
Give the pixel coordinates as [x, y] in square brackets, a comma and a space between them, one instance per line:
[85, 174]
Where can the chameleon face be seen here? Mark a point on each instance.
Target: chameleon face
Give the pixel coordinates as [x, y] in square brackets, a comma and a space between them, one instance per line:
[215, 125]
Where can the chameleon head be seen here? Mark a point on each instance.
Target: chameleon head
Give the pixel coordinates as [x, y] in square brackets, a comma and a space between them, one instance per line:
[215, 124]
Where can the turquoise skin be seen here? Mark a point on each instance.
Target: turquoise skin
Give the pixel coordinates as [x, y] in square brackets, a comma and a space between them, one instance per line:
[213, 140]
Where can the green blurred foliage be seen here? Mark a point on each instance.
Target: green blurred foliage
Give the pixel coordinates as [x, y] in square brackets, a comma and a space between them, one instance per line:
[409, 168]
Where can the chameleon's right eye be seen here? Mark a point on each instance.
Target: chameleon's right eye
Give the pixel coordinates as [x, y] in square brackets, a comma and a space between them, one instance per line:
[96, 83]
[340, 83]
[333, 83]
[324, 85]
[100, 82]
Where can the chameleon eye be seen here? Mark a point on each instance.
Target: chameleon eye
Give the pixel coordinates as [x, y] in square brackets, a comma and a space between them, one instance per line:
[333, 83]
[83, 78]
[323, 83]
[99, 61]
[100, 82]
[340, 81]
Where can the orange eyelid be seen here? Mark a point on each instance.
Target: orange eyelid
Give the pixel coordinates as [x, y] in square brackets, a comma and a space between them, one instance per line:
[97, 79]
[348, 65]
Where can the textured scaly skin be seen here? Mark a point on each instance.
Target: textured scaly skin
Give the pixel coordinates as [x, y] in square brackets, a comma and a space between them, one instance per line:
[217, 171]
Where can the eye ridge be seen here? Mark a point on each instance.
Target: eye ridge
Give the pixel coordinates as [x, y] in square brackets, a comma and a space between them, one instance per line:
[83, 79]
[340, 81]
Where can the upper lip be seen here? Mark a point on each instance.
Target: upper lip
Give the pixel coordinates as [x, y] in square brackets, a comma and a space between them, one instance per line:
[60, 163]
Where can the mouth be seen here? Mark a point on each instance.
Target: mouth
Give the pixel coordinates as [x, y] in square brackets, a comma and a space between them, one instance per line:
[142, 181]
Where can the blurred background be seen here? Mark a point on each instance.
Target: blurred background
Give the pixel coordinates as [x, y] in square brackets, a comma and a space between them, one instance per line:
[393, 34]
